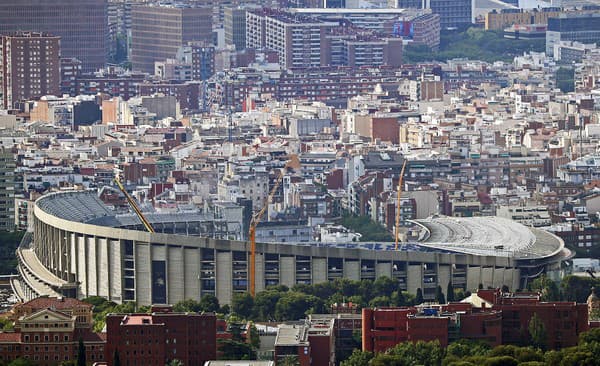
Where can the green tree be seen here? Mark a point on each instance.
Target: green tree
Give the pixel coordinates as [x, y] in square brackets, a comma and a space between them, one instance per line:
[174, 362]
[439, 295]
[116, 358]
[592, 335]
[289, 360]
[295, 305]
[209, 303]
[21, 362]
[575, 288]
[358, 358]
[370, 231]
[264, 304]
[450, 292]
[81, 353]
[380, 301]
[242, 304]
[546, 287]
[188, 305]
[233, 350]
[419, 297]
[501, 361]
[466, 348]
[385, 286]
[408, 353]
[537, 331]
[6, 324]
[398, 298]
[254, 336]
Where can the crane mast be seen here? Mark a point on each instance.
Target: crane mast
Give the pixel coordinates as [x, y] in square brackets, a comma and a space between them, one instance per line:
[134, 205]
[398, 205]
[256, 220]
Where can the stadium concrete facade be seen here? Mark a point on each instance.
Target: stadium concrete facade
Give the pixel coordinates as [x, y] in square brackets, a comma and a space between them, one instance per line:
[81, 247]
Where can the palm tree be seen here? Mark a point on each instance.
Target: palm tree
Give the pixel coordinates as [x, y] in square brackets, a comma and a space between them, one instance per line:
[290, 360]
[174, 362]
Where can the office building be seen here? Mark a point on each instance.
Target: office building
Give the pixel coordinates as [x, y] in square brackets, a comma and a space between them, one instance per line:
[30, 67]
[159, 30]
[234, 24]
[82, 26]
[453, 13]
[584, 28]
[161, 336]
[7, 189]
[495, 20]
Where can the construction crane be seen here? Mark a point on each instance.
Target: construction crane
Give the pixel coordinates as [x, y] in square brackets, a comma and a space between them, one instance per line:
[256, 220]
[134, 205]
[398, 204]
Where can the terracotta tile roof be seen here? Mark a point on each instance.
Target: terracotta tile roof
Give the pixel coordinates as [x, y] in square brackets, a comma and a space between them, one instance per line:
[54, 303]
[6, 337]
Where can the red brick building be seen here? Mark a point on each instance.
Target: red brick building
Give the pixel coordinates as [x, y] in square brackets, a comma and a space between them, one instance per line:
[47, 331]
[497, 318]
[157, 338]
[311, 343]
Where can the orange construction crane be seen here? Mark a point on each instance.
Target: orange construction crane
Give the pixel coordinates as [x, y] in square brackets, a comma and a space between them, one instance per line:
[292, 163]
[398, 204]
[134, 205]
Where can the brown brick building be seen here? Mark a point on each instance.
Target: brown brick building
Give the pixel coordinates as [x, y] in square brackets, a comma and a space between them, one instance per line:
[156, 338]
[47, 332]
[30, 67]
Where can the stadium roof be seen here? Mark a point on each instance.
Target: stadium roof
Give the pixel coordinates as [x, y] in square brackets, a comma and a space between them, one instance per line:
[489, 235]
[482, 236]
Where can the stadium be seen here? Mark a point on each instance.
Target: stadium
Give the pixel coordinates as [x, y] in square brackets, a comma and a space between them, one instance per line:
[82, 247]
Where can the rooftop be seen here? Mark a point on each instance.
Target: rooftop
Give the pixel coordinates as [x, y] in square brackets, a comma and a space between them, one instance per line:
[292, 335]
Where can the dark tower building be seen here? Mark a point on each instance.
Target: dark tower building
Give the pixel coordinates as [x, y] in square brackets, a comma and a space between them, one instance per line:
[82, 26]
[158, 31]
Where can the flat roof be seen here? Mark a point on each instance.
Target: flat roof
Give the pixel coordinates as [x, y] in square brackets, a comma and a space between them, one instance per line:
[359, 11]
[291, 335]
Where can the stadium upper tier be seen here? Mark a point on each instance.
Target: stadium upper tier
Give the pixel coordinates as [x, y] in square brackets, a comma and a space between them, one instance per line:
[484, 236]
[489, 236]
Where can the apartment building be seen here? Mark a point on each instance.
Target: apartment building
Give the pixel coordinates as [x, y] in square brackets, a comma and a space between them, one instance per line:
[30, 67]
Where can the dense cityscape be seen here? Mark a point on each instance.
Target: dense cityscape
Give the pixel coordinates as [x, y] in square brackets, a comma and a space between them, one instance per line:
[299, 182]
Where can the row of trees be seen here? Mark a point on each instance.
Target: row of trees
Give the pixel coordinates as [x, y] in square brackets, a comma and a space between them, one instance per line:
[471, 353]
[282, 303]
[474, 44]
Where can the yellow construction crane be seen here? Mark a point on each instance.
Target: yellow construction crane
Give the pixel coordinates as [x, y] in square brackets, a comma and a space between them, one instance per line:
[133, 205]
[398, 204]
[293, 162]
